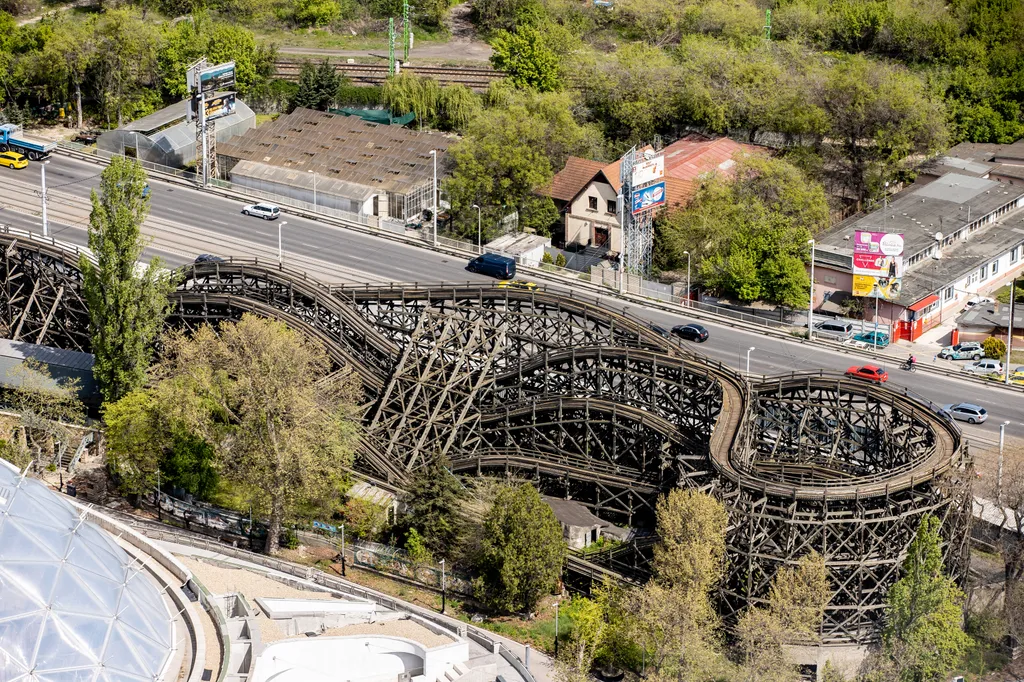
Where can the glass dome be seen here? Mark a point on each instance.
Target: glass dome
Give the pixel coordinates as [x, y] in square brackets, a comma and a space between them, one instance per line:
[74, 606]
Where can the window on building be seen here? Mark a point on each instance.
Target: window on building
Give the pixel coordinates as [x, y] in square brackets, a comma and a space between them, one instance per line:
[593, 203]
[995, 267]
[947, 293]
[1014, 254]
[611, 206]
[984, 272]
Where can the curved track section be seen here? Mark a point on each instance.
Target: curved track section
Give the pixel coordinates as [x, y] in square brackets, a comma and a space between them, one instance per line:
[594, 406]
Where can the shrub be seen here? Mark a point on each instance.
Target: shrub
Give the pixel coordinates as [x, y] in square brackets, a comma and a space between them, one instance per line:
[316, 12]
[548, 259]
[560, 260]
[994, 348]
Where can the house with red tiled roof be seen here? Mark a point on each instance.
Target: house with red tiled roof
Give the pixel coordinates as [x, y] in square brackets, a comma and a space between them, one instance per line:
[586, 192]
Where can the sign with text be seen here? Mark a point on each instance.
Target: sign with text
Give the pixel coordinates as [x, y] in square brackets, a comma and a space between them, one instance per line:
[216, 107]
[648, 198]
[220, 77]
[648, 171]
[877, 265]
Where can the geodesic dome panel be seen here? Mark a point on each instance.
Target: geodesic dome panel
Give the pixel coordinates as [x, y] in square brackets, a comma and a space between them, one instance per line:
[74, 607]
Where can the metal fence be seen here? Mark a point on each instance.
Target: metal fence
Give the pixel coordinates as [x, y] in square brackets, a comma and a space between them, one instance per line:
[394, 561]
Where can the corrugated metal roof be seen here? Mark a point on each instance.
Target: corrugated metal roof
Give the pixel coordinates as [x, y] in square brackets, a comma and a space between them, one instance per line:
[385, 158]
[303, 180]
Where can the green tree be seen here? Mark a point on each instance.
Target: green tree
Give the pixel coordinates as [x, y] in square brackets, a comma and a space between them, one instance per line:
[126, 307]
[525, 59]
[318, 86]
[281, 423]
[416, 549]
[994, 347]
[316, 13]
[126, 66]
[46, 411]
[68, 55]
[924, 618]
[190, 465]
[136, 438]
[796, 607]
[589, 625]
[522, 552]
[435, 497]
[691, 552]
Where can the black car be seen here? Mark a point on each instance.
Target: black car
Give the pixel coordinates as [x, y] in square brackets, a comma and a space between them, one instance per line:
[86, 136]
[691, 332]
[208, 258]
[660, 331]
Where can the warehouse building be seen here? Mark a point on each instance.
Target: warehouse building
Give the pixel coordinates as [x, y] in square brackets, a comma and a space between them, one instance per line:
[338, 162]
[166, 138]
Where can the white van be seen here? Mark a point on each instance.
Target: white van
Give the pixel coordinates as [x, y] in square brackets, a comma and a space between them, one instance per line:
[834, 329]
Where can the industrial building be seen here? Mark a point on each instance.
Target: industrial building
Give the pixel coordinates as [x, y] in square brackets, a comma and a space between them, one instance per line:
[167, 139]
[338, 162]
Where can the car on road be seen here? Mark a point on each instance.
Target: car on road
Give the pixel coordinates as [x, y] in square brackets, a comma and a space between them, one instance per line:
[660, 331]
[983, 367]
[691, 332]
[516, 284]
[13, 160]
[879, 339]
[868, 373]
[207, 258]
[966, 412]
[265, 211]
[493, 265]
[969, 350]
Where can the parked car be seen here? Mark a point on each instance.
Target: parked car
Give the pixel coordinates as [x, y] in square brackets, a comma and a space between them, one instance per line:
[1017, 376]
[86, 136]
[516, 284]
[265, 211]
[208, 258]
[13, 160]
[868, 373]
[493, 265]
[969, 350]
[967, 412]
[834, 329]
[983, 367]
[691, 332]
[978, 300]
[879, 339]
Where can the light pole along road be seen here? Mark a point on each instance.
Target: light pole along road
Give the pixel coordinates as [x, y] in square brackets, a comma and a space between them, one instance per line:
[381, 258]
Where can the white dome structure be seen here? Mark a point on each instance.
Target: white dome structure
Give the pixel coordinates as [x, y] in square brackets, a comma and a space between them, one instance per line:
[74, 606]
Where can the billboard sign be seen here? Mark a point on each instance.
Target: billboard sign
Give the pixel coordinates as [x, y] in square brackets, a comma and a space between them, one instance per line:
[220, 77]
[648, 198]
[216, 107]
[877, 265]
[648, 171]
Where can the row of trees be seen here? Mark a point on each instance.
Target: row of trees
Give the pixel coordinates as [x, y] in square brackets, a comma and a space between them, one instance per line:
[119, 64]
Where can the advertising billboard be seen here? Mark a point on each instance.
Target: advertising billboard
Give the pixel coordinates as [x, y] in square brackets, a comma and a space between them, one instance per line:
[648, 171]
[877, 265]
[220, 77]
[648, 198]
[216, 107]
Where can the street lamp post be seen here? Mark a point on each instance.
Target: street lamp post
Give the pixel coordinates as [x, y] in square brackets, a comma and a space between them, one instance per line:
[748, 359]
[1009, 330]
[556, 629]
[280, 245]
[433, 153]
[42, 175]
[314, 187]
[810, 304]
[479, 231]
[444, 593]
[687, 254]
[999, 470]
[343, 550]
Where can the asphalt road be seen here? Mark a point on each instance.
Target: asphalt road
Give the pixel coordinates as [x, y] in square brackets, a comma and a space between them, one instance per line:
[362, 257]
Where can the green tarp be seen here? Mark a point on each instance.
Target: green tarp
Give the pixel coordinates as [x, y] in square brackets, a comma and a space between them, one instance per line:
[376, 116]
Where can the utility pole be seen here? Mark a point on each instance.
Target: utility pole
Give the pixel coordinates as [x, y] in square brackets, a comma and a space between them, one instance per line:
[42, 172]
[391, 46]
[407, 30]
[1009, 331]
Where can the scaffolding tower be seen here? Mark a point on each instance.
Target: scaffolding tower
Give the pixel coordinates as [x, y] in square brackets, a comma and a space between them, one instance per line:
[637, 228]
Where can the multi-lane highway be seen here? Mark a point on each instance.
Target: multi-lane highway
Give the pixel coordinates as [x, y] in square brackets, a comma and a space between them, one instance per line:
[185, 222]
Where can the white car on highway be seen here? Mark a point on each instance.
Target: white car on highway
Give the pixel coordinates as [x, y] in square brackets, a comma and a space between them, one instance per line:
[265, 211]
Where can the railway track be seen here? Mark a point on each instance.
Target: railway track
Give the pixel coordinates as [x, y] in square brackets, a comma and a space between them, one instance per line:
[475, 78]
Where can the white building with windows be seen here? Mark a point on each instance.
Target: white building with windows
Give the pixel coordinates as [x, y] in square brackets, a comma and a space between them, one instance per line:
[963, 235]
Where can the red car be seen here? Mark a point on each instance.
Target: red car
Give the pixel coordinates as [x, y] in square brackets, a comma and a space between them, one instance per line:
[868, 372]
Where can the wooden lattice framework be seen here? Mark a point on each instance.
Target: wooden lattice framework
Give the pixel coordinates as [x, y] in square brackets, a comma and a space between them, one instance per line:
[594, 406]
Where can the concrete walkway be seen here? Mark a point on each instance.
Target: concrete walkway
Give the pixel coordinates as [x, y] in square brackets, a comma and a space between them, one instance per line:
[540, 665]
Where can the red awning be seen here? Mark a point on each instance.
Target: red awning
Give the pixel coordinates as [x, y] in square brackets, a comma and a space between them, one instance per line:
[924, 303]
